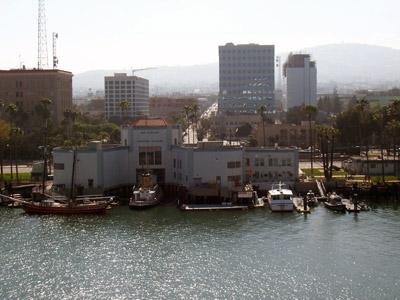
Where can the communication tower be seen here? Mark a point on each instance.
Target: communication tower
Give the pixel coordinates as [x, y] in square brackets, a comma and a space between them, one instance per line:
[55, 59]
[43, 62]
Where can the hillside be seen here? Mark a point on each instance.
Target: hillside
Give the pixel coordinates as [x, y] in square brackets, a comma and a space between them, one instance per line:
[349, 66]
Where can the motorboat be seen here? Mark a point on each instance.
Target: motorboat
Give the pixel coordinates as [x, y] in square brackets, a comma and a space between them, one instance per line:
[279, 198]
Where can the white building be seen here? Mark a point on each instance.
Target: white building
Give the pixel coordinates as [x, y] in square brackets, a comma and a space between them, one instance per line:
[131, 88]
[97, 167]
[301, 81]
[153, 144]
[150, 142]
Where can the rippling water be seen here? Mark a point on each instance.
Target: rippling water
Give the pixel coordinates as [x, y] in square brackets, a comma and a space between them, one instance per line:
[164, 253]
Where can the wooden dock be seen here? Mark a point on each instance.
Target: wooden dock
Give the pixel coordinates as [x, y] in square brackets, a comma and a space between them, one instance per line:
[203, 207]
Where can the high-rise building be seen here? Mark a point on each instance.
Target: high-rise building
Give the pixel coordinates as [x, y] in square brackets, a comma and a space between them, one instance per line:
[301, 80]
[246, 79]
[131, 88]
[26, 87]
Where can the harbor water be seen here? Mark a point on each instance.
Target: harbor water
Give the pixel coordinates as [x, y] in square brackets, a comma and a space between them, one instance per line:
[163, 253]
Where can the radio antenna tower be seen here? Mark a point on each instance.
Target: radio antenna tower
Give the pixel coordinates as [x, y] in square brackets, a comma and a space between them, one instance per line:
[55, 59]
[43, 62]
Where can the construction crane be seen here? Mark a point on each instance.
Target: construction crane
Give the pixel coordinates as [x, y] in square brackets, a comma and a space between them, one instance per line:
[134, 70]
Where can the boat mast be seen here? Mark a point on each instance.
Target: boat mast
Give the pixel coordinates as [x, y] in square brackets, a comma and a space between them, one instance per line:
[73, 172]
[44, 168]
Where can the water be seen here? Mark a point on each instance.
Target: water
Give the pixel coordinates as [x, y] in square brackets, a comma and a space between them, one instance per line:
[164, 253]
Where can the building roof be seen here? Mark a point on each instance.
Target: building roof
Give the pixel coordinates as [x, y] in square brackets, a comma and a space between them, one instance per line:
[34, 71]
[156, 122]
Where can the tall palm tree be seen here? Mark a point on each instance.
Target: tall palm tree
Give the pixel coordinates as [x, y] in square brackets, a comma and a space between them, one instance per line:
[1, 145]
[392, 128]
[333, 134]
[16, 132]
[261, 111]
[378, 118]
[186, 113]
[361, 106]
[310, 109]
[124, 105]
[11, 109]
[195, 108]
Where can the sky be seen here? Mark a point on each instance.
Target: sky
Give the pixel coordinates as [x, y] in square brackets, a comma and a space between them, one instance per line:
[125, 34]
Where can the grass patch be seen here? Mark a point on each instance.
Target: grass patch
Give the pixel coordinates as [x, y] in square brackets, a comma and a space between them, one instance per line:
[320, 172]
[21, 176]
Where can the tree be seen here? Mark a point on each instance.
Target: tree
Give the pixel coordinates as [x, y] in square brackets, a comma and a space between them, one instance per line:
[11, 109]
[195, 108]
[362, 104]
[392, 128]
[378, 118]
[17, 133]
[124, 105]
[310, 110]
[261, 111]
[186, 113]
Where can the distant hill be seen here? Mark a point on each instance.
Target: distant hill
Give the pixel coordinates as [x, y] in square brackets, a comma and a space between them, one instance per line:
[185, 79]
[356, 62]
[354, 65]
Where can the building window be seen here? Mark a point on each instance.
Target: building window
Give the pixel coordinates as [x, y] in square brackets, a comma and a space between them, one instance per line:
[58, 166]
[289, 161]
[158, 154]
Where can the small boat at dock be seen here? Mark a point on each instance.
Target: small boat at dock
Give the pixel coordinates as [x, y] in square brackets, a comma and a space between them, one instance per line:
[334, 202]
[298, 203]
[148, 194]
[280, 199]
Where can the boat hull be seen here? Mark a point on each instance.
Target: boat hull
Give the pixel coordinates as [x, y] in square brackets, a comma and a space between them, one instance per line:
[64, 210]
[281, 207]
[337, 207]
[142, 204]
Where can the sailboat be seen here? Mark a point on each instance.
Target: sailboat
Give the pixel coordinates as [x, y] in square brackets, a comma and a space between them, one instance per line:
[46, 202]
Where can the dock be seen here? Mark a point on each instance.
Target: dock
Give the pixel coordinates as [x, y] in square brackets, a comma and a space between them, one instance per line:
[203, 207]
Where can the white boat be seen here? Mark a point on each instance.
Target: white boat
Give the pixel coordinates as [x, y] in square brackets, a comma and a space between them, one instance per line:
[280, 199]
[148, 193]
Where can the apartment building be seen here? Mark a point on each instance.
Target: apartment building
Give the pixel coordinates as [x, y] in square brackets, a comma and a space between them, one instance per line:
[26, 87]
[123, 87]
[301, 79]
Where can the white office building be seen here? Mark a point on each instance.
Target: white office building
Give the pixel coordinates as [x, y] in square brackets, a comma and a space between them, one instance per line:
[301, 81]
[131, 88]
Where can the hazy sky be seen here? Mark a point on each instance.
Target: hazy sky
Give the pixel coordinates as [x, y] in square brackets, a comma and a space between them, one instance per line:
[120, 34]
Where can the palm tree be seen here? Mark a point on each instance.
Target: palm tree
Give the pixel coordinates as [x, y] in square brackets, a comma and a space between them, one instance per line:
[11, 109]
[333, 134]
[2, 138]
[124, 104]
[186, 112]
[361, 106]
[310, 109]
[261, 111]
[392, 128]
[378, 118]
[16, 132]
[195, 108]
